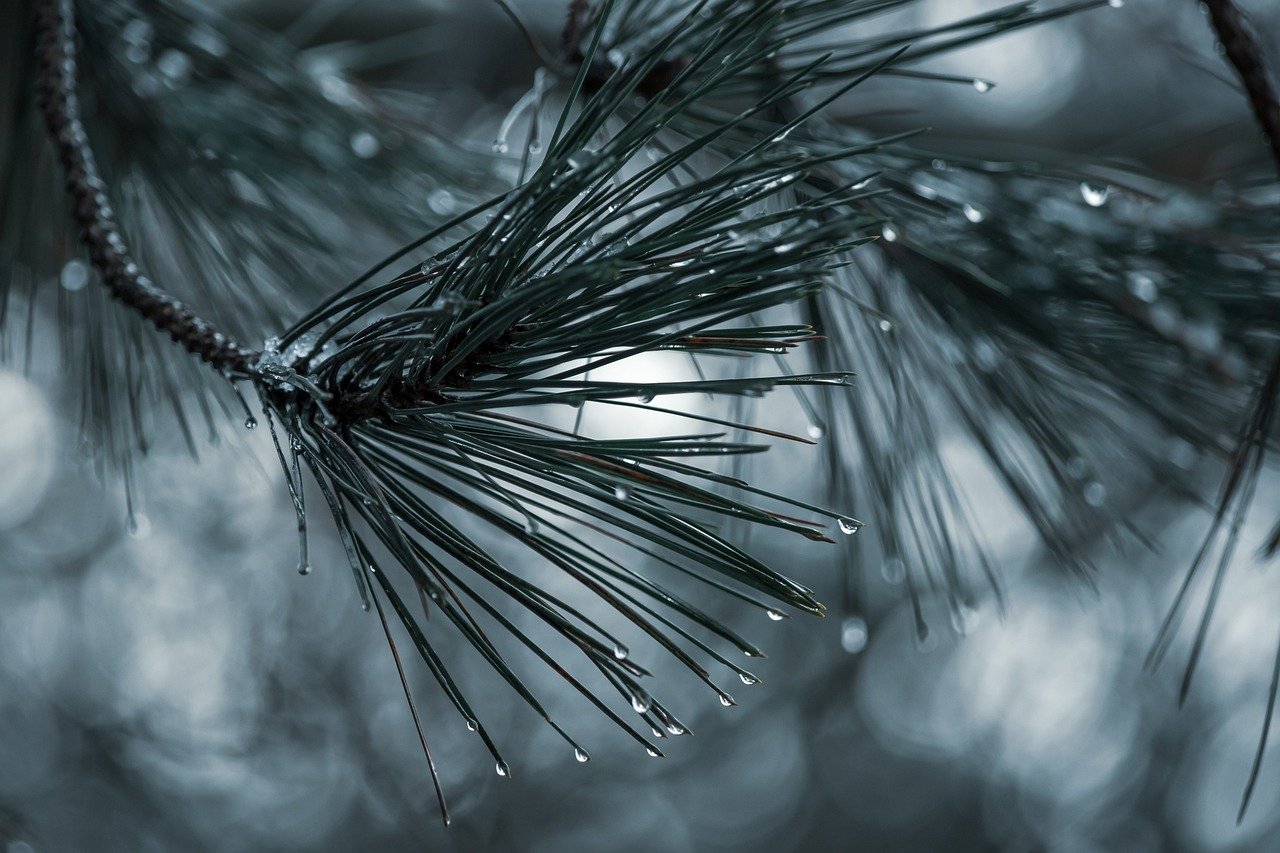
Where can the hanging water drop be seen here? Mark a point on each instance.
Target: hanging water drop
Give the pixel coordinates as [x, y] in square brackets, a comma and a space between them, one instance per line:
[1143, 286]
[364, 145]
[74, 275]
[1095, 494]
[622, 492]
[251, 422]
[581, 755]
[816, 430]
[972, 213]
[727, 700]
[472, 726]
[853, 634]
[885, 325]
[775, 615]
[889, 233]
[500, 146]
[653, 753]
[641, 702]
[304, 568]
[849, 526]
[983, 86]
[620, 651]
[656, 732]
[1094, 196]
[138, 526]
[1115, 4]
[748, 679]
[502, 768]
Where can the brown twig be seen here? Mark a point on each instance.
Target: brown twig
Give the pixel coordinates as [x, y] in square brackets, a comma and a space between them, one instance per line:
[1240, 44]
[60, 105]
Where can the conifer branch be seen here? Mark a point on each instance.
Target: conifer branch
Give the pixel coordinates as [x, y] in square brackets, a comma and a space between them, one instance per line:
[60, 104]
[1242, 52]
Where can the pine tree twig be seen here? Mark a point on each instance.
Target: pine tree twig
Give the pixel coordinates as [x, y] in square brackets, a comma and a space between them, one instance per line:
[1240, 44]
[60, 105]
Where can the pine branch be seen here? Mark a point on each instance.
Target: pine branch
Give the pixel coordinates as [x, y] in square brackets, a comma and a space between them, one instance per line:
[1242, 52]
[60, 105]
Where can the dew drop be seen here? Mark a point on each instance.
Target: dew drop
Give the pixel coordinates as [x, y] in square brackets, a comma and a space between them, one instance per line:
[1095, 494]
[304, 568]
[748, 679]
[653, 753]
[775, 615]
[138, 526]
[972, 213]
[1092, 195]
[251, 422]
[1143, 286]
[889, 233]
[727, 700]
[365, 145]
[853, 634]
[74, 275]
[641, 703]
[502, 768]
[983, 86]
[885, 325]
[500, 146]
[621, 492]
[620, 651]
[581, 755]
[816, 430]
[472, 726]
[675, 728]
[441, 201]
[1115, 4]
[849, 526]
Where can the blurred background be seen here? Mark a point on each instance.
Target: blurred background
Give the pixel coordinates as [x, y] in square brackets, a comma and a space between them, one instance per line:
[176, 685]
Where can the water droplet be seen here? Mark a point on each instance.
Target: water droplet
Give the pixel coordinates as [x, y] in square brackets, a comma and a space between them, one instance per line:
[138, 526]
[251, 422]
[748, 679]
[441, 201]
[894, 570]
[621, 492]
[816, 430]
[983, 86]
[641, 702]
[939, 165]
[727, 700]
[775, 615]
[1143, 286]
[364, 144]
[472, 726]
[304, 568]
[1092, 195]
[1115, 4]
[502, 768]
[74, 275]
[581, 755]
[620, 651]
[500, 146]
[853, 634]
[1095, 494]
[675, 728]
[972, 213]
[175, 65]
[885, 325]
[849, 526]
[653, 753]
[889, 233]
